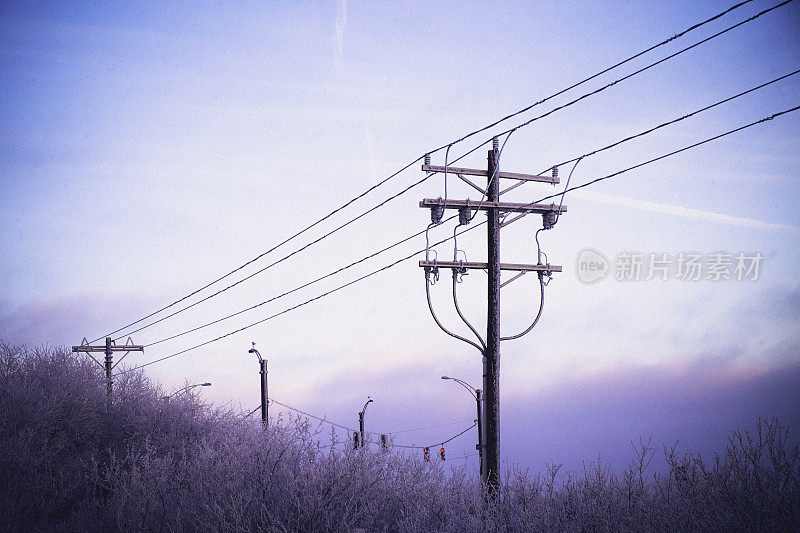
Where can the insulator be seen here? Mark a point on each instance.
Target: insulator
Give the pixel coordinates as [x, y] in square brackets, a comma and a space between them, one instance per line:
[495, 144]
[427, 159]
[464, 215]
[548, 219]
[555, 172]
[437, 212]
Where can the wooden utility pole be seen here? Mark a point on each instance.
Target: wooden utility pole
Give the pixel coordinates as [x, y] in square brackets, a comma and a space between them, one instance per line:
[108, 348]
[491, 355]
[490, 348]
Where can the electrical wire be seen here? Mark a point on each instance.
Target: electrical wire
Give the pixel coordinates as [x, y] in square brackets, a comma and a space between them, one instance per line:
[340, 287]
[395, 263]
[447, 146]
[315, 417]
[284, 258]
[643, 69]
[440, 443]
[326, 421]
[695, 145]
[294, 236]
[679, 119]
[647, 132]
[316, 280]
[600, 73]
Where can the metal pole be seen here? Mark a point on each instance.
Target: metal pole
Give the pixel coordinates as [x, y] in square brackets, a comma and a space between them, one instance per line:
[361, 426]
[480, 432]
[264, 413]
[491, 382]
[109, 366]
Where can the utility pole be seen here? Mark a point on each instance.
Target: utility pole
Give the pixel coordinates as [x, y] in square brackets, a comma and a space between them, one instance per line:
[491, 355]
[490, 348]
[262, 365]
[108, 348]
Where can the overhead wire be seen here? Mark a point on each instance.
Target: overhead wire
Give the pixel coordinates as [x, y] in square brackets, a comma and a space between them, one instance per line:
[643, 69]
[303, 286]
[695, 145]
[647, 132]
[676, 120]
[272, 249]
[395, 263]
[471, 134]
[323, 295]
[600, 73]
[352, 430]
[576, 160]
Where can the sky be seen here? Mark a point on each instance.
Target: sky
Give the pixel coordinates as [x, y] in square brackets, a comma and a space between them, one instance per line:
[146, 150]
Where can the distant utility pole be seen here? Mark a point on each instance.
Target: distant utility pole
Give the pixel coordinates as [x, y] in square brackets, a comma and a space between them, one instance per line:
[109, 348]
[262, 365]
[490, 348]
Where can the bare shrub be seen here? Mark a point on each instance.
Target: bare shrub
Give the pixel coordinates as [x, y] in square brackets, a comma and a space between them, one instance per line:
[67, 462]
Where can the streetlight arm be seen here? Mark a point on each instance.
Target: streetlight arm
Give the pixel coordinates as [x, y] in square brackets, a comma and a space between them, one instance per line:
[464, 384]
[253, 350]
[364, 410]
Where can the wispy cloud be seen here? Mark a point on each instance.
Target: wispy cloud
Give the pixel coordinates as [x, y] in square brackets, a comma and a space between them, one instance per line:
[340, 25]
[686, 212]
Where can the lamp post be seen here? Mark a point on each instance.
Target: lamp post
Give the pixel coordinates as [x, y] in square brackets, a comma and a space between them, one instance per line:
[361, 420]
[262, 364]
[185, 389]
[476, 393]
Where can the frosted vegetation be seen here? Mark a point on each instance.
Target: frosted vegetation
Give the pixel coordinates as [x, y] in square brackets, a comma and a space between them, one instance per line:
[68, 463]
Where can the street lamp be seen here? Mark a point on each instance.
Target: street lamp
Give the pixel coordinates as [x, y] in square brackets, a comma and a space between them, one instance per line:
[262, 364]
[476, 393]
[361, 420]
[186, 388]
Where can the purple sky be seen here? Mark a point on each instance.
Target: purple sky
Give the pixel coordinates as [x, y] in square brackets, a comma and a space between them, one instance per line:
[148, 150]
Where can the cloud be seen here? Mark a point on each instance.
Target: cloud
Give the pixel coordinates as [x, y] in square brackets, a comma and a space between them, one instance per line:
[685, 212]
[697, 406]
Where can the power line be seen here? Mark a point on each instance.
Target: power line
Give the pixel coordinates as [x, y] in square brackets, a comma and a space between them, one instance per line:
[395, 263]
[684, 117]
[593, 76]
[438, 443]
[340, 287]
[765, 119]
[284, 258]
[354, 263]
[475, 132]
[343, 206]
[617, 143]
[603, 88]
[326, 421]
[321, 419]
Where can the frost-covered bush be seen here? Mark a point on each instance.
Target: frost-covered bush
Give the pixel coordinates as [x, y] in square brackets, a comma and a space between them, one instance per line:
[68, 462]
